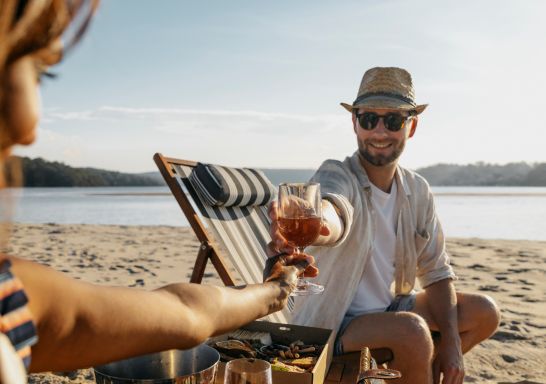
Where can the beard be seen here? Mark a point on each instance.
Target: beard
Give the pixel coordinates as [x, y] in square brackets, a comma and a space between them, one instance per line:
[381, 160]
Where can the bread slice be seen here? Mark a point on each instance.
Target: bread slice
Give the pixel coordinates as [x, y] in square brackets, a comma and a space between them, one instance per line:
[280, 366]
[302, 362]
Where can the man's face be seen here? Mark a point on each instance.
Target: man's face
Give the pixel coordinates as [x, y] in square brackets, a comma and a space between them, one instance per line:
[380, 146]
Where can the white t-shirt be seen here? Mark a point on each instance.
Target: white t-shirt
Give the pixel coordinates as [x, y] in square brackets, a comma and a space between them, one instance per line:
[374, 290]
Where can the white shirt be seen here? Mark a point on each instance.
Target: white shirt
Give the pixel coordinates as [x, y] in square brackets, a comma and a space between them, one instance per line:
[374, 290]
[420, 246]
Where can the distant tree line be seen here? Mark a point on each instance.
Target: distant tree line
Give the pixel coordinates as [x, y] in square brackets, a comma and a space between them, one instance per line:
[483, 174]
[478, 174]
[42, 173]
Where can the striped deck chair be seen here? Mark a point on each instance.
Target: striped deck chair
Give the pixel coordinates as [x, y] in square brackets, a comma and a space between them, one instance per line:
[239, 226]
[242, 229]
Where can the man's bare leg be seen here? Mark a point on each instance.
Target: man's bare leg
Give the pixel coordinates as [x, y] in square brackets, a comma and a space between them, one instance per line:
[478, 317]
[406, 334]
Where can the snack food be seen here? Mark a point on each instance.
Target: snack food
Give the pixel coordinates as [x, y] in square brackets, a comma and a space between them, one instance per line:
[277, 365]
[295, 357]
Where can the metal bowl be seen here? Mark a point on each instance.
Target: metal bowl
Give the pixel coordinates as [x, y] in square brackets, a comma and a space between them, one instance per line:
[193, 366]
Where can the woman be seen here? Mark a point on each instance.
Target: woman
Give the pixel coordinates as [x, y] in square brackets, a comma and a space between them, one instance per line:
[79, 324]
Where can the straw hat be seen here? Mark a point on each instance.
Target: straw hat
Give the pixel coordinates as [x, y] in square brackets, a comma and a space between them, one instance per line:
[388, 87]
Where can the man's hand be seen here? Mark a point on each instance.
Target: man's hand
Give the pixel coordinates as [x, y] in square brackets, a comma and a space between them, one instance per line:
[278, 242]
[449, 362]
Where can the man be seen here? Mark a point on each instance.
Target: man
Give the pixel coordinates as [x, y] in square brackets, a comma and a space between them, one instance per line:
[382, 229]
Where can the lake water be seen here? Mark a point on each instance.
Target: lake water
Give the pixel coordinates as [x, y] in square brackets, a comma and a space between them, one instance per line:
[486, 212]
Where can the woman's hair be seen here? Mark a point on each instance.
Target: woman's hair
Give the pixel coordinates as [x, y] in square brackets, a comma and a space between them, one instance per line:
[27, 26]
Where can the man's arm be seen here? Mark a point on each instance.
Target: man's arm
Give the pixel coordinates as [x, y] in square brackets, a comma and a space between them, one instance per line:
[81, 324]
[436, 275]
[442, 306]
[331, 219]
[337, 191]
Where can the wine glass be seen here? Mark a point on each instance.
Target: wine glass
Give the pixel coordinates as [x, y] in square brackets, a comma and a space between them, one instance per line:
[300, 220]
[248, 371]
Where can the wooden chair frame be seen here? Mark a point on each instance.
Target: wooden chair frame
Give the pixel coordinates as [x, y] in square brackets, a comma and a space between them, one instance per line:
[207, 249]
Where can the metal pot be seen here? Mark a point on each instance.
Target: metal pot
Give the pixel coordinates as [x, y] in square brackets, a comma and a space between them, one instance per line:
[193, 366]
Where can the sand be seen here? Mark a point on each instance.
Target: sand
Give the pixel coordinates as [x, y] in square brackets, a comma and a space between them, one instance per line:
[512, 272]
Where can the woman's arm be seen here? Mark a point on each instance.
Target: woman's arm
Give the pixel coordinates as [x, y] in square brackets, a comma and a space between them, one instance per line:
[81, 324]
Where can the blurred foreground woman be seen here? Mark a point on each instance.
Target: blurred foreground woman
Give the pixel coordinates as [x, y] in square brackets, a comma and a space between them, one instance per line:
[58, 323]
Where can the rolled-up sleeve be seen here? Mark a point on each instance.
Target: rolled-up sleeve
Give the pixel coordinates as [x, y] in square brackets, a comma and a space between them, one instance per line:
[336, 186]
[432, 258]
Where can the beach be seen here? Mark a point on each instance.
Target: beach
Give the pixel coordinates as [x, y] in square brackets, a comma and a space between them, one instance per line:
[513, 272]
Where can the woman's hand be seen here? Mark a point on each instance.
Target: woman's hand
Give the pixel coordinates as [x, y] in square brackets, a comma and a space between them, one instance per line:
[285, 269]
[282, 267]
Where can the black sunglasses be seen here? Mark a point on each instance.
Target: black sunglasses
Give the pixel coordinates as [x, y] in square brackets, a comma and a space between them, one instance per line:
[392, 121]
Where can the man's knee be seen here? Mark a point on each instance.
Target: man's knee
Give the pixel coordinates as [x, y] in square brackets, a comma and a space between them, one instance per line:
[488, 315]
[415, 334]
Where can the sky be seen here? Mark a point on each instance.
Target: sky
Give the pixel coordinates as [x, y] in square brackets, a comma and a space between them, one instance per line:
[255, 83]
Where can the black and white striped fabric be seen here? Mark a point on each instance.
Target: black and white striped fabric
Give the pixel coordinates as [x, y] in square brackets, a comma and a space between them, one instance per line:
[224, 186]
[243, 231]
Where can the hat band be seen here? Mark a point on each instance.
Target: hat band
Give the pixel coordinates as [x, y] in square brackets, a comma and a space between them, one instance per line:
[365, 96]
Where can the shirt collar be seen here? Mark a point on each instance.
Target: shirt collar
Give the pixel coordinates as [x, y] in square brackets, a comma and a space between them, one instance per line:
[401, 179]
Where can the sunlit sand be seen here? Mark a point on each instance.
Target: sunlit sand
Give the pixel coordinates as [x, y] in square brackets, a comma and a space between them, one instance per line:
[512, 272]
